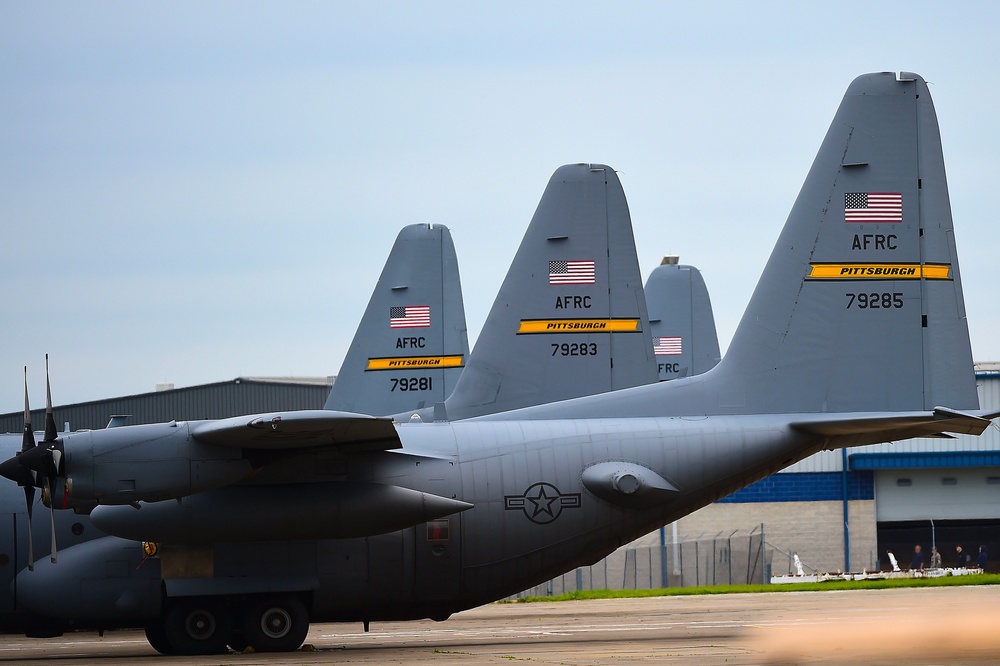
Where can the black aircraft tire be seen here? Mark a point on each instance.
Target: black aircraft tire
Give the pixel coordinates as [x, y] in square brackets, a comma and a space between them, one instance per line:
[275, 624]
[157, 638]
[197, 626]
[237, 642]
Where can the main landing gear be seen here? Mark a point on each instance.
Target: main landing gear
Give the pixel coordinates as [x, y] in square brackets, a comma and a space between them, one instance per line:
[207, 625]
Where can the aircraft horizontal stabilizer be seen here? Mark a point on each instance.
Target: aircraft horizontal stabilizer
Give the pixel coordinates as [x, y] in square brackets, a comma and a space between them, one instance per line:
[301, 429]
[860, 429]
[980, 416]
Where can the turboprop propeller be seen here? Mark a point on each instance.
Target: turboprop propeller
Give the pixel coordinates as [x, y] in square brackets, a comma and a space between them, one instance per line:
[37, 465]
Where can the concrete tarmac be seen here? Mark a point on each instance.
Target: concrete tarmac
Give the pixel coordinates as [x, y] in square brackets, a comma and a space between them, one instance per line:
[952, 626]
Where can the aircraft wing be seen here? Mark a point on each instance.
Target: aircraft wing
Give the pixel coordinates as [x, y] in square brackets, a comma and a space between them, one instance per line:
[301, 429]
[863, 428]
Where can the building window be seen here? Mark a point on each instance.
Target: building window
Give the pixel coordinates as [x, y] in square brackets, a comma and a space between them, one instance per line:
[993, 480]
[904, 482]
[949, 481]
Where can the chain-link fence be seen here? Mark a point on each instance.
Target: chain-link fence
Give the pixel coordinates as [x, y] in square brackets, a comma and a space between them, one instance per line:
[730, 558]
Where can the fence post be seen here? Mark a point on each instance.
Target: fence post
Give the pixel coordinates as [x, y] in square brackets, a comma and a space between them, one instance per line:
[663, 557]
[680, 563]
[649, 555]
[697, 565]
[764, 578]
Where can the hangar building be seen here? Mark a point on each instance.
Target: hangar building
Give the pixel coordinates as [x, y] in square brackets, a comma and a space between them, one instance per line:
[243, 395]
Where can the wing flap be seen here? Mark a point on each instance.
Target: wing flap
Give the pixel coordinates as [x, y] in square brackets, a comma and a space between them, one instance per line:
[300, 430]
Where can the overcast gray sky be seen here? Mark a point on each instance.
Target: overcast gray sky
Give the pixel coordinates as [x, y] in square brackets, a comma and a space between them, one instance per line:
[190, 192]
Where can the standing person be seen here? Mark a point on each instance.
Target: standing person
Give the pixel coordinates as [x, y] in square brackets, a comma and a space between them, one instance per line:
[935, 558]
[961, 559]
[981, 560]
[918, 559]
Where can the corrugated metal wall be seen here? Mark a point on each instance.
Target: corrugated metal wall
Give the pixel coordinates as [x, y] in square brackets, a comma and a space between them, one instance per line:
[935, 494]
[208, 401]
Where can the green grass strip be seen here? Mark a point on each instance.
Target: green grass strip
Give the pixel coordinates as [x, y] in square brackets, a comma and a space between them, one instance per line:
[943, 581]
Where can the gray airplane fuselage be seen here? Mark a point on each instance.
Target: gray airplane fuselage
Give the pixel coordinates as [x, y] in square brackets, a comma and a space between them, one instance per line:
[537, 512]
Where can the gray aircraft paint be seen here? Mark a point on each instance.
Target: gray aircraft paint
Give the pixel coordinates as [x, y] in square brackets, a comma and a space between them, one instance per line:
[681, 322]
[561, 485]
[412, 360]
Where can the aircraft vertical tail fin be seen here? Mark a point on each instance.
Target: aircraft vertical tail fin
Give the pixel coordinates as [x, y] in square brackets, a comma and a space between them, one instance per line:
[570, 318]
[412, 342]
[681, 322]
[860, 306]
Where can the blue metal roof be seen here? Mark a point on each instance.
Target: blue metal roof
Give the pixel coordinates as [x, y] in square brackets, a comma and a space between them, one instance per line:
[923, 460]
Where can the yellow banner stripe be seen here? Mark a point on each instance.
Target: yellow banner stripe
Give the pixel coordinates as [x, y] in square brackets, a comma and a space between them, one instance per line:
[415, 362]
[578, 326]
[879, 271]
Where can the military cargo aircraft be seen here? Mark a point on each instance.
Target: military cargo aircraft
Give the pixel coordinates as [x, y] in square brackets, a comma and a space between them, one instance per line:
[840, 345]
[422, 265]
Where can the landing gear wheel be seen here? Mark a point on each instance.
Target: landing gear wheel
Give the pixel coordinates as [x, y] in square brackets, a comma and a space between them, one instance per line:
[197, 626]
[275, 624]
[158, 639]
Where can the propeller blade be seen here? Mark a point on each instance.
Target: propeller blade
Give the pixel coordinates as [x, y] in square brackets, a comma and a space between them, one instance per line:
[27, 478]
[50, 421]
[28, 441]
[53, 461]
[29, 499]
[52, 516]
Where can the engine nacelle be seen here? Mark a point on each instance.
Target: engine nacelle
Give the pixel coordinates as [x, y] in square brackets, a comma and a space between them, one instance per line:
[145, 463]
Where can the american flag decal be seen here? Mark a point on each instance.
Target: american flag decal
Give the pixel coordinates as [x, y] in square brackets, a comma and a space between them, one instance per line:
[410, 316]
[667, 346]
[574, 271]
[873, 207]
